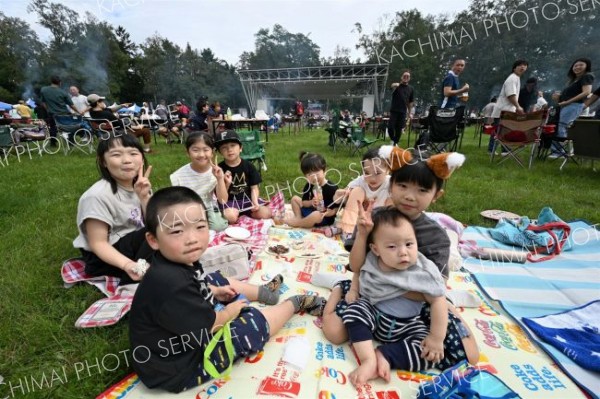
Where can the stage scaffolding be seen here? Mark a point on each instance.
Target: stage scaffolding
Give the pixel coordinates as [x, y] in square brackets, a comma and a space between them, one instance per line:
[315, 83]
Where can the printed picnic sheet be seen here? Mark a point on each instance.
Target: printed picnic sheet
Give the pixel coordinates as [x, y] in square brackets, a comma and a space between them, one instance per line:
[505, 349]
[565, 282]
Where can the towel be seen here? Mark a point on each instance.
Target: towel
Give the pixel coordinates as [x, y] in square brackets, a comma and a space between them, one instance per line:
[575, 332]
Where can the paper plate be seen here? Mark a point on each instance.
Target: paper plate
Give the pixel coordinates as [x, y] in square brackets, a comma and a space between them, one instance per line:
[496, 214]
[238, 233]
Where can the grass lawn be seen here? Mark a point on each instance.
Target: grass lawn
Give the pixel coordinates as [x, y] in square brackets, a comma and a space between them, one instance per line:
[38, 204]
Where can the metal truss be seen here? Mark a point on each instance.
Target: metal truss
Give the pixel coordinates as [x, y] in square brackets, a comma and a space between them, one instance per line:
[322, 82]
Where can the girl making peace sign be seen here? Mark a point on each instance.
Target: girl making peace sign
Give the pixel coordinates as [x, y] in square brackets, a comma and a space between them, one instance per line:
[110, 213]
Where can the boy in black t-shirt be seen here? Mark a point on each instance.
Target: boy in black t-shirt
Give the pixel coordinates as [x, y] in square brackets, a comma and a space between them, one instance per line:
[242, 180]
[316, 208]
[178, 340]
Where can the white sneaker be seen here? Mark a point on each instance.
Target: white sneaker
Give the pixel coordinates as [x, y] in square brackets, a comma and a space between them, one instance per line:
[553, 156]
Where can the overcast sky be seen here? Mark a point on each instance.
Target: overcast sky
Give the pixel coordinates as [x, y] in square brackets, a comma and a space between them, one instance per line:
[228, 27]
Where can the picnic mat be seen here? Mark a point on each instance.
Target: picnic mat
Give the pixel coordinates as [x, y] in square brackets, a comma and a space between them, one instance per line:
[505, 350]
[568, 281]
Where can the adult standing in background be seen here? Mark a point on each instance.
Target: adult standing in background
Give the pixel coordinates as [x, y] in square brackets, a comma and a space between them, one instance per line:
[451, 84]
[80, 102]
[56, 101]
[403, 98]
[571, 99]
[528, 94]
[487, 111]
[508, 100]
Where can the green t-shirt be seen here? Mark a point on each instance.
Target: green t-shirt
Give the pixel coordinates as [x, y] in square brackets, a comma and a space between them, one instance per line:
[56, 100]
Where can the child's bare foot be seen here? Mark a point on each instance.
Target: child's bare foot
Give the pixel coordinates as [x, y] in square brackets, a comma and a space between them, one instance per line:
[367, 371]
[383, 366]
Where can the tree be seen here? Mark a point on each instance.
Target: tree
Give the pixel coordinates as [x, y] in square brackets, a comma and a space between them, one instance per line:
[280, 49]
[19, 50]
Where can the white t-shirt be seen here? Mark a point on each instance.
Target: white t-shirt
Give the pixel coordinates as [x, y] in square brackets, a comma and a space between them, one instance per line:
[540, 104]
[204, 184]
[380, 195]
[511, 86]
[81, 103]
[121, 211]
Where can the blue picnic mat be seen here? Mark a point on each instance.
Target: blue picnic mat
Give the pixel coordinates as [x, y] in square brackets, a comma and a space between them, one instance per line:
[567, 281]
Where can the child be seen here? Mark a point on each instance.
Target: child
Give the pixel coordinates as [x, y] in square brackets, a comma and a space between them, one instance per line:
[242, 180]
[110, 213]
[391, 269]
[414, 186]
[310, 210]
[204, 177]
[172, 317]
[372, 185]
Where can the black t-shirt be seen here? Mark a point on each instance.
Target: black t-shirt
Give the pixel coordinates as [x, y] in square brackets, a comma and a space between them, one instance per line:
[527, 98]
[401, 97]
[597, 92]
[328, 190]
[576, 88]
[169, 324]
[243, 177]
[198, 122]
[108, 115]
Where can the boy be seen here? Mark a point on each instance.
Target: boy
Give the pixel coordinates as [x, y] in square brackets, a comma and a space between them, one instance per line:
[242, 180]
[172, 318]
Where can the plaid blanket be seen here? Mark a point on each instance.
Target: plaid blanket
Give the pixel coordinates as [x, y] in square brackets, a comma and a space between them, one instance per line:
[108, 311]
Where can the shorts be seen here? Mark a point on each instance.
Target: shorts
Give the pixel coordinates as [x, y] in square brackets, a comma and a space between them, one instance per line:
[249, 334]
[454, 351]
[327, 221]
[243, 205]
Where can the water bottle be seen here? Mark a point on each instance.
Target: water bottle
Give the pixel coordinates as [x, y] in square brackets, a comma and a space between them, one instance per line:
[228, 113]
[318, 194]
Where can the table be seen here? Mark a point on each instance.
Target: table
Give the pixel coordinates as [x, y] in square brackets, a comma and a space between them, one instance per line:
[237, 123]
[376, 120]
[292, 120]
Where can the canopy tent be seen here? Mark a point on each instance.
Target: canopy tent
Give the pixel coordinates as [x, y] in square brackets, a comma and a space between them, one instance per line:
[319, 83]
[5, 106]
[134, 108]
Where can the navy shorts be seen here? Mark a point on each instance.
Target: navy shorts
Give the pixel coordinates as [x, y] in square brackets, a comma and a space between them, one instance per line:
[327, 221]
[243, 205]
[249, 334]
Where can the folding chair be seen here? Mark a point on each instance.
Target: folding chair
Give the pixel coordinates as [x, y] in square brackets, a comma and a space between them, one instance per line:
[358, 140]
[337, 132]
[253, 149]
[74, 133]
[445, 128]
[516, 132]
[7, 143]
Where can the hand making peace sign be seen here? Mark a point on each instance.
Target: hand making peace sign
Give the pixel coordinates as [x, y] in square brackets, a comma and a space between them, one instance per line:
[364, 223]
[142, 186]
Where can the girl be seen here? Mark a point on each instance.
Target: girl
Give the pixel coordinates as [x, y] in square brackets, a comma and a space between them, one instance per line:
[316, 208]
[204, 177]
[110, 213]
[571, 99]
[373, 185]
[414, 186]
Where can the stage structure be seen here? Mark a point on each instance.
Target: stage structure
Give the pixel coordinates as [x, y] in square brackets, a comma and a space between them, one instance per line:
[316, 83]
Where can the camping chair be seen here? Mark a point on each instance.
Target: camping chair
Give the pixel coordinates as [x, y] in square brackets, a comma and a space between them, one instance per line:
[358, 140]
[34, 130]
[7, 143]
[337, 133]
[253, 149]
[444, 129]
[516, 132]
[74, 132]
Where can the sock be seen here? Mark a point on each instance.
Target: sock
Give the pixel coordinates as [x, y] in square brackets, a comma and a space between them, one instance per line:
[269, 293]
[311, 304]
[463, 299]
[326, 280]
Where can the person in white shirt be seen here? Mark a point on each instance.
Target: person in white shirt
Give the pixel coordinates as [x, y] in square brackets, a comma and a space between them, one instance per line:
[79, 101]
[541, 102]
[508, 100]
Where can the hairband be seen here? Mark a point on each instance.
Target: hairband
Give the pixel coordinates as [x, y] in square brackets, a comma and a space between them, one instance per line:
[442, 165]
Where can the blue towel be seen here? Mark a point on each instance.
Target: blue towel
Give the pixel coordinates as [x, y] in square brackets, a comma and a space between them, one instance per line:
[575, 332]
